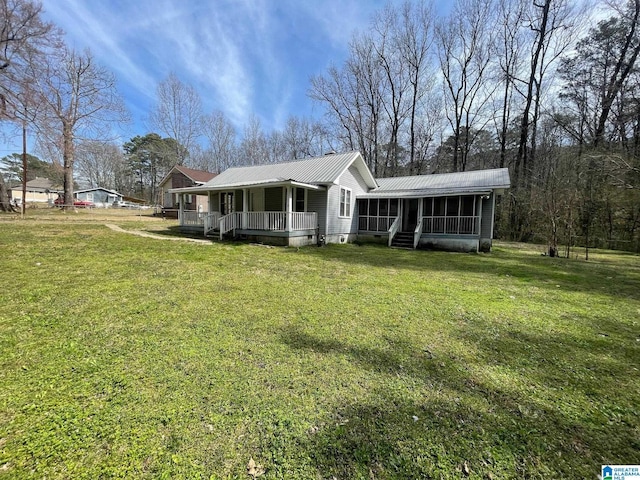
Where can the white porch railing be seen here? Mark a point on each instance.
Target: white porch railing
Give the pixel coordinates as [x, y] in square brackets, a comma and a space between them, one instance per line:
[211, 221]
[228, 223]
[463, 225]
[394, 229]
[416, 234]
[268, 221]
[191, 217]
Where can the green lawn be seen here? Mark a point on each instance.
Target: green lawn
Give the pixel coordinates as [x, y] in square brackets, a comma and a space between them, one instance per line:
[123, 356]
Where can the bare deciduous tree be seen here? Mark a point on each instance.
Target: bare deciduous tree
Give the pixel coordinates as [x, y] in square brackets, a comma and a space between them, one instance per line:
[221, 149]
[81, 103]
[465, 56]
[99, 163]
[23, 36]
[178, 113]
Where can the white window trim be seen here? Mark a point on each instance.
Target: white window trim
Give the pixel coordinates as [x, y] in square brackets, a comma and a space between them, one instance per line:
[348, 205]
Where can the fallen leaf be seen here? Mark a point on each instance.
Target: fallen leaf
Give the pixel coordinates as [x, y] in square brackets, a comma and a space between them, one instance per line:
[465, 469]
[254, 470]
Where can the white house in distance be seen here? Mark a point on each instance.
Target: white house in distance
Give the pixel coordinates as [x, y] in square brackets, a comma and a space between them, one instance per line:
[336, 199]
[39, 190]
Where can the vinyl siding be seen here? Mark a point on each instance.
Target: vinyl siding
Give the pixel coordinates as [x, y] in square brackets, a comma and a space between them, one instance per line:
[317, 202]
[487, 217]
[352, 179]
[258, 199]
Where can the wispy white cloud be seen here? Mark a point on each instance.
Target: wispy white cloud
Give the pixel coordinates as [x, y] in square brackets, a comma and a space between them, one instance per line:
[244, 56]
[102, 33]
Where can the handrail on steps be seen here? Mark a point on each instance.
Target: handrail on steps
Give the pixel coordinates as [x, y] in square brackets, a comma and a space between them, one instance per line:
[417, 233]
[211, 220]
[393, 229]
[228, 223]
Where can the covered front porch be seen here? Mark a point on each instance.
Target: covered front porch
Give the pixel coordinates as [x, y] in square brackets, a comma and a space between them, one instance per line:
[276, 212]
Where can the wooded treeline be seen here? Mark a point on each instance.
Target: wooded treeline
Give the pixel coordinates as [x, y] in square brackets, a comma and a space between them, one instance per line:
[547, 88]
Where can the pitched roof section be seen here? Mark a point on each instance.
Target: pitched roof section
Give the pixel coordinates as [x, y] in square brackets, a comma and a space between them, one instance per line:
[198, 176]
[96, 189]
[315, 171]
[40, 183]
[445, 182]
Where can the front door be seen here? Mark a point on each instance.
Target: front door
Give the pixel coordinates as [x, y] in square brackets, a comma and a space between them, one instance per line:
[226, 203]
[409, 214]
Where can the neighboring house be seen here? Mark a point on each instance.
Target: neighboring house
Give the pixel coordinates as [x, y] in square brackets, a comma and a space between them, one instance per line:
[101, 197]
[39, 190]
[182, 177]
[336, 199]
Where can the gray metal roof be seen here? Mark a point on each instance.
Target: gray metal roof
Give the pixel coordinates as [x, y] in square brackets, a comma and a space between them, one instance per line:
[316, 171]
[443, 183]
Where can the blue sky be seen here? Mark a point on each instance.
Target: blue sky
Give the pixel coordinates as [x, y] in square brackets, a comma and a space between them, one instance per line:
[243, 56]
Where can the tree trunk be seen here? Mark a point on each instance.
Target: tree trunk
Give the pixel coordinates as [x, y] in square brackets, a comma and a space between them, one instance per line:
[68, 159]
[5, 204]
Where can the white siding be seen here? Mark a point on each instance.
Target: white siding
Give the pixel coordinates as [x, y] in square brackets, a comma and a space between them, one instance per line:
[487, 217]
[317, 202]
[351, 179]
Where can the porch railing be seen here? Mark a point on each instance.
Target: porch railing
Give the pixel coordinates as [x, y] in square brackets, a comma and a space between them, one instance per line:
[368, 223]
[228, 223]
[268, 221]
[417, 233]
[211, 221]
[464, 225]
[393, 229]
[191, 217]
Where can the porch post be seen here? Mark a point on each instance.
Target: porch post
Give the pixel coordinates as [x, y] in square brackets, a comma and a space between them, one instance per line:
[245, 206]
[479, 198]
[181, 208]
[289, 207]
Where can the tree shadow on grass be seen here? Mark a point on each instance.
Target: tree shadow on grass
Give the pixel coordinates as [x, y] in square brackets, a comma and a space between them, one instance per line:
[544, 272]
[497, 430]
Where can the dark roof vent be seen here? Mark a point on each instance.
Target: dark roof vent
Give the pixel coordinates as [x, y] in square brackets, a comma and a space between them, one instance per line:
[332, 152]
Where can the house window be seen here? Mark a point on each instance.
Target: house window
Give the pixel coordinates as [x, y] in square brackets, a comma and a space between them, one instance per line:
[345, 202]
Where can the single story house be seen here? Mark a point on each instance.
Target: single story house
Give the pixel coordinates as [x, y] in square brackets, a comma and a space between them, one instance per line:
[39, 190]
[183, 177]
[336, 199]
[101, 197]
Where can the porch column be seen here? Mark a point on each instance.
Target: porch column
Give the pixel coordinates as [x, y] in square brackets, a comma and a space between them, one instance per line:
[181, 208]
[245, 206]
[289, 207]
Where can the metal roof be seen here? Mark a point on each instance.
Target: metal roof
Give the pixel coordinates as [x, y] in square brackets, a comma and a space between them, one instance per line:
[476, 180]
[315, 171]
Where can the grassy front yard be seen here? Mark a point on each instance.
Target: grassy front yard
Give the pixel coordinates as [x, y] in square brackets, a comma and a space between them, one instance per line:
[123, 356]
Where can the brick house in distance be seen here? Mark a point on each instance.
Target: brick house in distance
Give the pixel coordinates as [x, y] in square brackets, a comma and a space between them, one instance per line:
[183, 177]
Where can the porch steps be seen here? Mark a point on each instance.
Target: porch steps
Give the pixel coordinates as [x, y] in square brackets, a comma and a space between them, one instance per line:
[403, 240]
